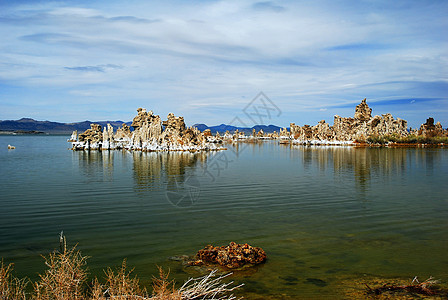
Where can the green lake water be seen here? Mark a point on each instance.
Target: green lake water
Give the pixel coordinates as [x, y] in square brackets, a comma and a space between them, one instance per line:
[324, 215]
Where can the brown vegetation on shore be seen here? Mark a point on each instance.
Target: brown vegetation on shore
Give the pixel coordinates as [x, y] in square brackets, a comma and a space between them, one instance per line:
[66, 279]
[425, 288]
[410, 140]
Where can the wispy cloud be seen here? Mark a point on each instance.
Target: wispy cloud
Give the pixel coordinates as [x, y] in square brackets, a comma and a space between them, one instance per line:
[99, 68]
[268, 6]
[47, 37]
[188, 57]
[359, 47]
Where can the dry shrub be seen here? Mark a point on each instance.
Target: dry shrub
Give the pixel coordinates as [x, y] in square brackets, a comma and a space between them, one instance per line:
[64, 278]
[163, 288]
[11, 288]
[97, 291]
[208, 287]
[121, 285]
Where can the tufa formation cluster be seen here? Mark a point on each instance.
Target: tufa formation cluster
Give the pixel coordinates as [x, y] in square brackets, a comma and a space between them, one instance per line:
[150, 134]
[429, 129]
[350, 129]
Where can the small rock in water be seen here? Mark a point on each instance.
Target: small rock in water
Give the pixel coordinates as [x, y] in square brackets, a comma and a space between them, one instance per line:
[179, 258]
[232, 256]
[290, 280]
[316, 282]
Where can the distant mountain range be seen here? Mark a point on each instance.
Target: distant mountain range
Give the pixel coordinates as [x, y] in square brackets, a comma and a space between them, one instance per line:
[27, 125]
[223, 128]
[31, 125]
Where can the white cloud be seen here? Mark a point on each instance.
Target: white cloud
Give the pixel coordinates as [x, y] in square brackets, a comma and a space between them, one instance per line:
[204, 55]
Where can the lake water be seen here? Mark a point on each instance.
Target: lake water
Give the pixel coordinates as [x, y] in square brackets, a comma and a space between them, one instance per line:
[324, 215]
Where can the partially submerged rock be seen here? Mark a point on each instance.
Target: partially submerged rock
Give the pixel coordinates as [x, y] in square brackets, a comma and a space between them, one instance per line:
[73, 137]
[150, 134]
[232, 256]
[91, 138]
[350, 129]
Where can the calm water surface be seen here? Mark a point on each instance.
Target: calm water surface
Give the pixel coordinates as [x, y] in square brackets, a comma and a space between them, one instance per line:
[322, 214]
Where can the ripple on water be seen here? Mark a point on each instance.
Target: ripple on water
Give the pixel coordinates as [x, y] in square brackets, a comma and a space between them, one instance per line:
[321, 214]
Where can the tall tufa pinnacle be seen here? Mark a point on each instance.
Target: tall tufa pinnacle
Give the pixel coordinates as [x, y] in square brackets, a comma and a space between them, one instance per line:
[363, 112]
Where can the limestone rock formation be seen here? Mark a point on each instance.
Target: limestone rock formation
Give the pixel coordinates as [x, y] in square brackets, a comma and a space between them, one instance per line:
[322, 131]
[207, 132]
[93, 134]
[238, 135]
[147, 128]
[363, 112]
[91, 137]
[73, 137]
[429, 129]
[150, 134]
[108, 137]
[283, 133]
[124, 133]
[350, 129]
[174, 125]
[232, 256]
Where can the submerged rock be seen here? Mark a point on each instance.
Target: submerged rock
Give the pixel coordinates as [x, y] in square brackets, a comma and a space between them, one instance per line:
[232, 256]
[316, 281]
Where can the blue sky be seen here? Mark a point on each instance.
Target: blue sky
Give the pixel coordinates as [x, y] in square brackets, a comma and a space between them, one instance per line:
[70, 61]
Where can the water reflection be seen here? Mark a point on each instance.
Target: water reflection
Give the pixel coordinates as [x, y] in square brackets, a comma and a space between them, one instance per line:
[148, 167]
[153, 168]
[171, 172]
[366, 163]
[96, 165]
[176, 171]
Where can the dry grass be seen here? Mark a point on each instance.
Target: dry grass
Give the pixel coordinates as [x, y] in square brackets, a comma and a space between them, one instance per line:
[120, 285]
[66, 279]
[163, 288]
[11, 287]
[208, 287]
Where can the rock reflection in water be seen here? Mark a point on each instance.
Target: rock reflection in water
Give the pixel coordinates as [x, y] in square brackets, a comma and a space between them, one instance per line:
[96, 164]
[154, 168]
[150, 168]
[366, 163]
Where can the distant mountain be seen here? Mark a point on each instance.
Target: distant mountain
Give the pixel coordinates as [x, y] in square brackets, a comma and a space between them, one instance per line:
[30, 125]
[201, 127]
[223, 128]
[27, 124]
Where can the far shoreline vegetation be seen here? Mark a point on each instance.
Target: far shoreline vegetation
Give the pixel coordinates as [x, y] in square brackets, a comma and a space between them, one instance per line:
[410, 140]
[23, 132]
